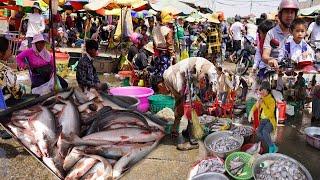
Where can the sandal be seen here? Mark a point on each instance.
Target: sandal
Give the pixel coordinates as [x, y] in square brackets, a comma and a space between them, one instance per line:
[187, 146]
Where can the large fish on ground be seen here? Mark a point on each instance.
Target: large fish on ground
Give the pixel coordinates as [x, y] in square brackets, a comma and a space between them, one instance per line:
[133, 135]
[69, 121]
[101, 170]
[81, 168]
[27, 139]
[55, 163]
[73, 157]
[130, 159]
[44, 130]
[114, 151]
[117, 116]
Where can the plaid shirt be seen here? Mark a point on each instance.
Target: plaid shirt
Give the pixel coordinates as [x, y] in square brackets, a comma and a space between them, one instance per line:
[212, 37]
[86, 73]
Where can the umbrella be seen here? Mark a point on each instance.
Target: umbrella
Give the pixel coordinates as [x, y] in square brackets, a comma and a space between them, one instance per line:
[106, 12]
[310, 11]
[111, 4]
[173, 6]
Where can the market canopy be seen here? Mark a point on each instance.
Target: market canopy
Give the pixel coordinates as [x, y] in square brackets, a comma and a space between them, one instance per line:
[112, 4]
[310, 11]
[173, 6]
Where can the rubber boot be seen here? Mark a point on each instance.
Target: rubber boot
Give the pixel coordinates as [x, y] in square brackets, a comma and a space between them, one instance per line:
[184, 145]
[192, 140]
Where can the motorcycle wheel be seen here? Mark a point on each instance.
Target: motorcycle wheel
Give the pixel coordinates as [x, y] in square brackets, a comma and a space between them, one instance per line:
[242, 66]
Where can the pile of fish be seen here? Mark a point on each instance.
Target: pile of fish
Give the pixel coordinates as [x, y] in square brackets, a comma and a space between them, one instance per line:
[211, 165]
[225, 144]
[205, 119]
[84, 135]
[236, 166]
[280, 169]
[244, 131]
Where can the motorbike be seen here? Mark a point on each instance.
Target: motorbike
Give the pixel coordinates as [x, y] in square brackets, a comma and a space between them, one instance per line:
[245, 56]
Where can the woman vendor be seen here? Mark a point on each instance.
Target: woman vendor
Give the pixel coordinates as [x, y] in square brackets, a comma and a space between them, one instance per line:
[175, 80]
[39, 62]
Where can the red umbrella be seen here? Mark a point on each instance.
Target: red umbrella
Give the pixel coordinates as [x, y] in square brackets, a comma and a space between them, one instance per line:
[14, 8]
[76, 5]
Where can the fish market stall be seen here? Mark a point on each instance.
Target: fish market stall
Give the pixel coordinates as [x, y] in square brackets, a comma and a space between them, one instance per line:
[233, 153]
[84, 135]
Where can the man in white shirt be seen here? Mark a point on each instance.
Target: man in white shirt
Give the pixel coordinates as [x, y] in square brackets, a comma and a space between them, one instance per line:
[236, 31]
[314, 30]
[36, 23]
[252, 29]
[276, 37]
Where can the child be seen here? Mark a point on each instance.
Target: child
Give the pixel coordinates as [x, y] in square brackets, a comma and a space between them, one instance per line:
[296, 48]
[259, 65]
[87, 76]
[224, 85]
[266, 106]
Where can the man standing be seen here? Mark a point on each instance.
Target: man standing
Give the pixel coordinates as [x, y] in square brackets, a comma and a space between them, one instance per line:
[277, 36]
[212, 37]
[225, 36]
[314, 30]
[236, 31]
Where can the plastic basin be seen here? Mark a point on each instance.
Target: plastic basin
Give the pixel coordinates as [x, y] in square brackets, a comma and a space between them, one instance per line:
[142, 93]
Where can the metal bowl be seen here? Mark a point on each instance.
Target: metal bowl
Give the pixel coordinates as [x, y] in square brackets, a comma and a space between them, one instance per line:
[245, 126]
[210, 176]
[311, 139]
[216, 135]
[274, 156]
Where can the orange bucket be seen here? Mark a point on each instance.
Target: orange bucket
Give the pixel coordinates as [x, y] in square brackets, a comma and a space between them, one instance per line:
[282, 107]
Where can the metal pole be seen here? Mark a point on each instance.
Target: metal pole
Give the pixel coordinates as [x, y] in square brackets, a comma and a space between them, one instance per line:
[251, 7]
[52, 39]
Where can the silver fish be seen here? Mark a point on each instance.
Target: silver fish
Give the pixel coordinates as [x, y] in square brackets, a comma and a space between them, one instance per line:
[69, 119]
[135, 135]
[117, 116]
[211, 165]
[224, 144]
[281, 169]
[44, 128]
[81, 168]
[73, 157]
[114, 151]
[130, 159]
[101, 170]
[26, 139]
[55, 163]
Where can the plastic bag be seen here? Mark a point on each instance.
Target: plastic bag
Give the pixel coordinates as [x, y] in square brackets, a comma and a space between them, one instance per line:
[159, 38]
[184, 55]
[47, 87]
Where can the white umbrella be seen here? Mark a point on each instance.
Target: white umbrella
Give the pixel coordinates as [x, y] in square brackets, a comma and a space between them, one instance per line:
[174, 6]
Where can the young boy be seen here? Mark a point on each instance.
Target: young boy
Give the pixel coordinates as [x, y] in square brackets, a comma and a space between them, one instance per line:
[87, 76]
[296, 48]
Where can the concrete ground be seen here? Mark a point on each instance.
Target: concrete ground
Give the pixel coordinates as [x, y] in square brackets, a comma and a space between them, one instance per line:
[165, 162]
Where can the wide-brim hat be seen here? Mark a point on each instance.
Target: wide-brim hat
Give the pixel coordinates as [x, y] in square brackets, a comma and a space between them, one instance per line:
[36, 5]
[149, 47]
[38, 38]
[213, 18]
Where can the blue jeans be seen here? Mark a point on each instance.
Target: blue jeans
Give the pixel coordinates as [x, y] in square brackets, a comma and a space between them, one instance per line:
[264, 130]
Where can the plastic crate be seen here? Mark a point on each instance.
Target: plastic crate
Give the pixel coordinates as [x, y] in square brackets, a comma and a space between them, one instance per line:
[159, 102]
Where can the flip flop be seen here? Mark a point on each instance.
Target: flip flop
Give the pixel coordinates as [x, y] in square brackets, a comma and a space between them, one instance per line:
[187, 146]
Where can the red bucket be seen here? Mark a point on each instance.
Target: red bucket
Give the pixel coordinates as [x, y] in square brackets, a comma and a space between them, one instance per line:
[282, 108]
[187, 109]
[245, 147]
